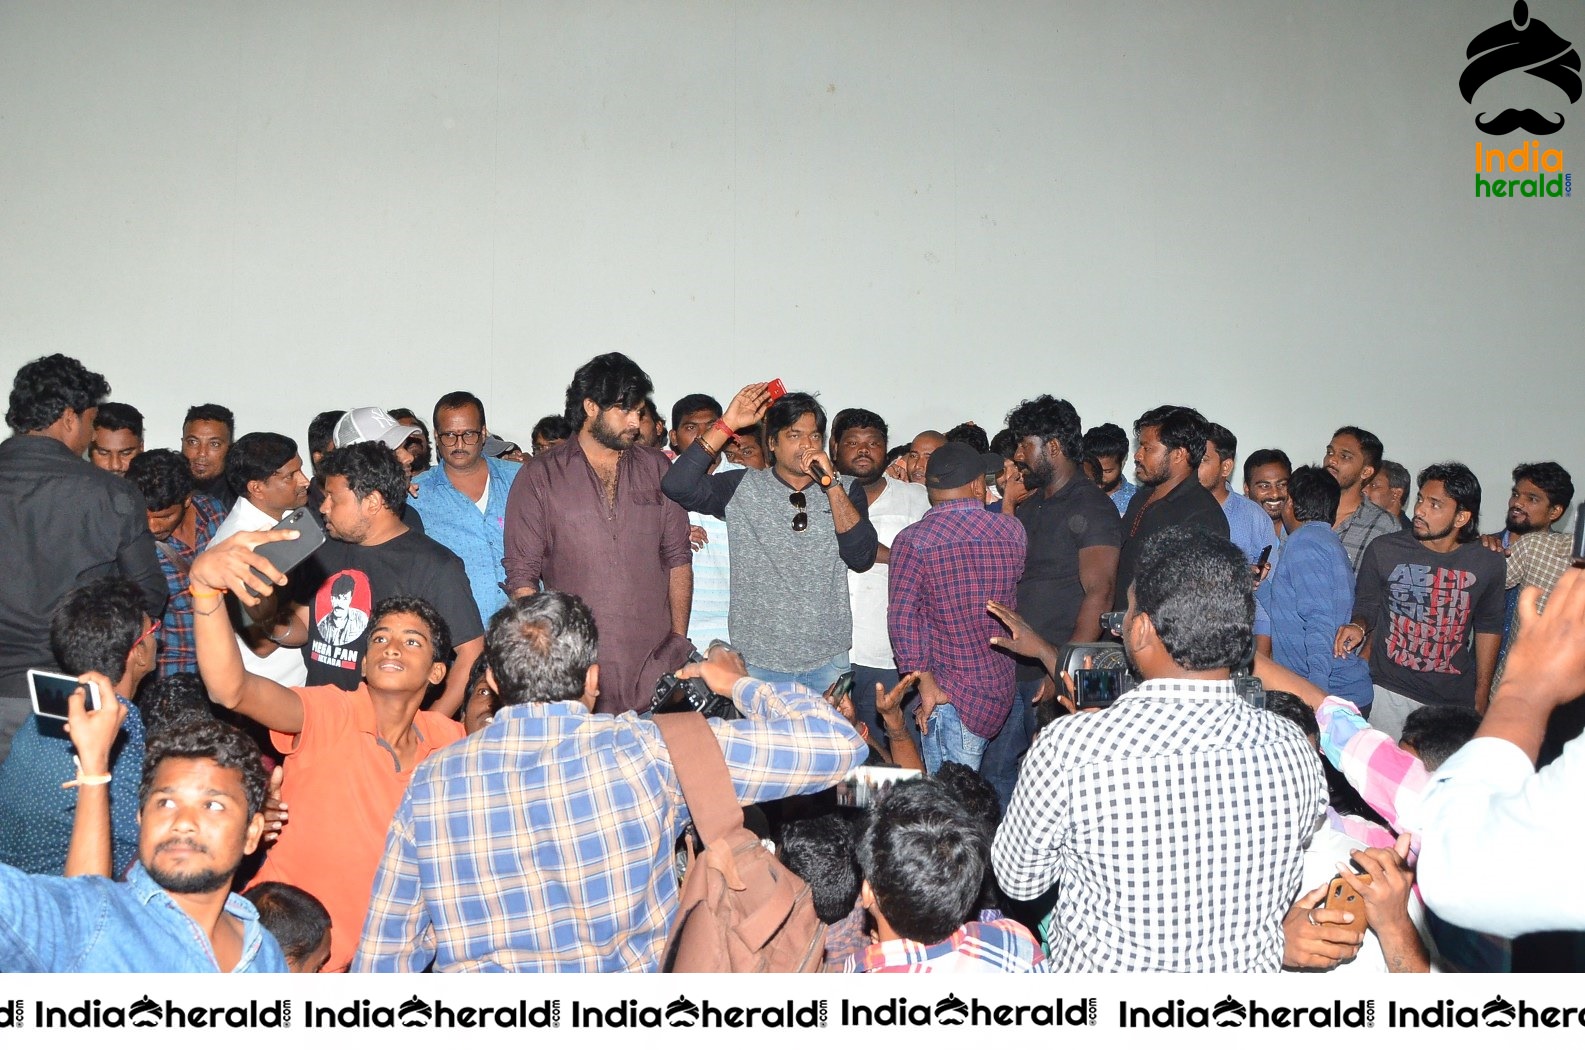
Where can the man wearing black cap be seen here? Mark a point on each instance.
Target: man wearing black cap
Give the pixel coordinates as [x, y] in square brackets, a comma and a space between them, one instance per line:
[944, 569]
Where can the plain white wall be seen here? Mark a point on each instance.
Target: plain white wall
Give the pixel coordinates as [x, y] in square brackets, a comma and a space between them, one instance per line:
[933, 209]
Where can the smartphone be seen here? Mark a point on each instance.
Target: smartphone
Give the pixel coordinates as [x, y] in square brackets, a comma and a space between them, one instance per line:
[1579, 539]
[776, 389]
[1265, 556]
[287, 555]
[842, 686]
[1097, 687]
[1341, 895]
[50, 692]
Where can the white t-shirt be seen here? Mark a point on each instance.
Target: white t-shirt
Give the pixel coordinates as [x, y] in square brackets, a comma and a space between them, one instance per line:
[284, 666]
[902, 504]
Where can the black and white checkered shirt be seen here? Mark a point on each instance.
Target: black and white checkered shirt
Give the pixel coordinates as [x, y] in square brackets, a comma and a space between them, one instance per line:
[1175, 822]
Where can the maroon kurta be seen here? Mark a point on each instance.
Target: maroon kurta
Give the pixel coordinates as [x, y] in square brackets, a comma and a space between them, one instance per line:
[618, 559]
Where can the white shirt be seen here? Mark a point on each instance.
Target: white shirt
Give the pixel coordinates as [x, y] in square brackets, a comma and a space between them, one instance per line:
[902, 504]
[284, 666]
[1500, 844]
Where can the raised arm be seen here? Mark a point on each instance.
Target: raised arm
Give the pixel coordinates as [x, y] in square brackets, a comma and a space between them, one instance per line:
[229, 567]
[93, 734]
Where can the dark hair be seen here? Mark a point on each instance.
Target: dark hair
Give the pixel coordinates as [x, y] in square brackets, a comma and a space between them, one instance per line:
[540, 647]
[1005, 443]
[454, 400]
[439, 630]
[893, 454]
[95, 625]
[1264, 457]
[1397, 476]
[343, 583]
[1461, 484]
[1049, 419]
[174, 698]
[1108, 440]
[789, 410]
[475, 675]
[212, 413]
[1436, 732]
[45, 388]
[1286, 705]
[1199, 595]
[552, 428]
[1177, 427]
[1222, 440]
[117, 415]
[972, 435]
[652, 410]
[925, 858]
[369, 467]
[610, 380]
[691, 403]
[322, 432]
[819, 850]
[1369, 444]
[294, 916]
[256, 457]
[973, 792]
[857, 419]
[225, 745]
[1548, 477]
[163, 477]
[1314, 494]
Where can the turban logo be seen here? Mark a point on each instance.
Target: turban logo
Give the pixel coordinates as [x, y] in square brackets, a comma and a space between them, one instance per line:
[1522, 43]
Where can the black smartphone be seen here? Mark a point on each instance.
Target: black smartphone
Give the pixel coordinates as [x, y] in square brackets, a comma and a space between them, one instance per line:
[1097, 687]
[287, 555]
[1265, 556]
[1579, 538]
[842, 686]
[51, 691]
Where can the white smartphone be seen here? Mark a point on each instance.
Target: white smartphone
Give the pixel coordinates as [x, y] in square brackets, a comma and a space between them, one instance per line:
[50, 692]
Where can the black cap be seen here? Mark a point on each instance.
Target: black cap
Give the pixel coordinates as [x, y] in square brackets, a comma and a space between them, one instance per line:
[955, 464]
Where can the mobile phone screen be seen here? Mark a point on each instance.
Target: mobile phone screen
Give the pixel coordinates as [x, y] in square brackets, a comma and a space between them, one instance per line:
[1097, 687]
[51, 692]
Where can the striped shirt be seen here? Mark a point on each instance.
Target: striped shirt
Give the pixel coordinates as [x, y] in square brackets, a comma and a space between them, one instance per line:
[1002, 946]
[544, 842]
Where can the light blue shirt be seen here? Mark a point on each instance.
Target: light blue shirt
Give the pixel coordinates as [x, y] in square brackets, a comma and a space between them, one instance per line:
[93, 925]
[479, 539]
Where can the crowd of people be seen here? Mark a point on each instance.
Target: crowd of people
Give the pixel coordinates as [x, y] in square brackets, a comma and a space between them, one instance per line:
[382, 702]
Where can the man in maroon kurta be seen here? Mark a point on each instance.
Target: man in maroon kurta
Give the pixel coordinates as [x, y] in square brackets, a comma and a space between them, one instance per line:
[588, 517]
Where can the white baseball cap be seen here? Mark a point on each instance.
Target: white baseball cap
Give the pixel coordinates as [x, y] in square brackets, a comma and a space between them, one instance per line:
[372, 424]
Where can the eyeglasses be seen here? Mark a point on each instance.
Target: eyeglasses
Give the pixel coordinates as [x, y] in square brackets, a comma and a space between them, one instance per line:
[460, 437]
[154, 625]
[801, 519]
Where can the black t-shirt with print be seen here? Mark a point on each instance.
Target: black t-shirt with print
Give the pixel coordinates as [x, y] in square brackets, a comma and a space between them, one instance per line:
[354, 579]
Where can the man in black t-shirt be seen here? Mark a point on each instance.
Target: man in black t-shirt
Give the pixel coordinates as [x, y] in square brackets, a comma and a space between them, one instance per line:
[1430, 601]
[370, 556]
[1074, 534]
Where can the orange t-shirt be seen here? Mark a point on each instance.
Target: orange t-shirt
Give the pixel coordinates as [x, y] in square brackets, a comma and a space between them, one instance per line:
[342, 787]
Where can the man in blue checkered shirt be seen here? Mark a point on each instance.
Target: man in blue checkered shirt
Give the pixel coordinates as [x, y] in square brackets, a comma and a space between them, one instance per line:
[546, 840]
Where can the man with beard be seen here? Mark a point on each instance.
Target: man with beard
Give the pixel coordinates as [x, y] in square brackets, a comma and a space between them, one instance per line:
[1541, 495]
[1171, 445]
[858, 445]
[588, 518]
[1266, 474]
[1430, 603]
[206, 438]
[201, 803]
[1353, 457]
[1074, 535]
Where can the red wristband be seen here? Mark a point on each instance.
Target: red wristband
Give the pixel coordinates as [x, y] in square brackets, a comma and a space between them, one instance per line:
[723, 428]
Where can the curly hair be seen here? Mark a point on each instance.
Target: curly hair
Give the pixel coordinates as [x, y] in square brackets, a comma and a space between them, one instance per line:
[163, 476]
[226, 746]
[45, 388]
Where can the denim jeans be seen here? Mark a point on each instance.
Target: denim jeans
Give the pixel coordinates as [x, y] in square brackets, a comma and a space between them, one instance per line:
[1005, 751]
[816, 680]
[947, 741]
[864, 682]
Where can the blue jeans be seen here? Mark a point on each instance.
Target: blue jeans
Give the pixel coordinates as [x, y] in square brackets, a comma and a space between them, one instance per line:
[946, 740]
[817, 680]
[1005, 752]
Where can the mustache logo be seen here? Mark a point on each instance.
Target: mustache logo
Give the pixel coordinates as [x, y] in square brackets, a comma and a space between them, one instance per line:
[1522, 43]
[1519, 120]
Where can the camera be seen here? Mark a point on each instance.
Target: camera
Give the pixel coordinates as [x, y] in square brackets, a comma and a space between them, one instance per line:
[1112, 623]
[673, 695]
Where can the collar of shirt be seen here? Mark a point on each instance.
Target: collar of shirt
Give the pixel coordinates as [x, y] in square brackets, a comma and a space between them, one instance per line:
[363, 721]
[1189, 690]
[149, 893]
[952, 506]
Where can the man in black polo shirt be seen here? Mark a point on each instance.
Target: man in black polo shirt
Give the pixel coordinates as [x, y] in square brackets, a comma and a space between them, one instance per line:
[1074, 534]
[64, 521]
[1171, 444]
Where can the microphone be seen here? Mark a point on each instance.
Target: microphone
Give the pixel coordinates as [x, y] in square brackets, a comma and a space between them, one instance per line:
[818, 471]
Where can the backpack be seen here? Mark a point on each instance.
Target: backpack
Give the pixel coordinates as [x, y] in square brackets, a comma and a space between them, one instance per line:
[741, 910]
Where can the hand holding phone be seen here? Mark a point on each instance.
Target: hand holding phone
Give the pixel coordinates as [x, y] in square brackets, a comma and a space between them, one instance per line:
[52, 693]
[93, 730]
[234, 565]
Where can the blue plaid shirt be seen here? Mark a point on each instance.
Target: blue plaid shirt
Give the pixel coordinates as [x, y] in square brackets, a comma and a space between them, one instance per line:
[178, 649]
[545, 841]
